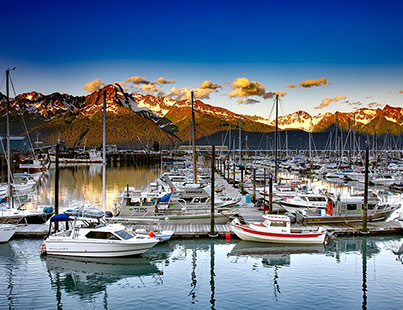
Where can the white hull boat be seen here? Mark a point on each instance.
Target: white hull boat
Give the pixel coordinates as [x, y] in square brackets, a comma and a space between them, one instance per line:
[276, 229]
[90, 239]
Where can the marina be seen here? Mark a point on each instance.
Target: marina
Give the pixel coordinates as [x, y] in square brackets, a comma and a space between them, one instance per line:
[201, 156]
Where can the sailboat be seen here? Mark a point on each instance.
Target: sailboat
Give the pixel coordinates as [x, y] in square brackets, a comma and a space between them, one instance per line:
[7, 231]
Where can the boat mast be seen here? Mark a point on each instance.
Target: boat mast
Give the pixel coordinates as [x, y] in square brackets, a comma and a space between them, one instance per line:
[276, 143]
[240, 139]
[194, 143]
[8, 133]
[104, 156]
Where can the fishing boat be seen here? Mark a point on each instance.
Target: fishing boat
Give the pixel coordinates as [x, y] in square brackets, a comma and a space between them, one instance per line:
[6, 232]
[276, 229]
[93, 237]
[347, 210]
[34, 165]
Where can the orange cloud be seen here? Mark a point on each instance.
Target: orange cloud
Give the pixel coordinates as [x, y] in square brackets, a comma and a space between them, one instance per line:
[209, 85]
[292, 86]
[151, 88]
[311, 83]
[137, 80]
[325, 102]
[162, 80]
[93, 85]
[401, 92]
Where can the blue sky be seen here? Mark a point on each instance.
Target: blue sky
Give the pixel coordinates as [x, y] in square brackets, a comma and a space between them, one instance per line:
[356, 46]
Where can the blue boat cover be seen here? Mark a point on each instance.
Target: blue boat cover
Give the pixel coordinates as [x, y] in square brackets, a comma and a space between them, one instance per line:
[60, 218]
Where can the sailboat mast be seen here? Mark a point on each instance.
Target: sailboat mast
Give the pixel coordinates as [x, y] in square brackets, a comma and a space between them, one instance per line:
[276, 143]
[8, 135]
[240, 141]
[104, 155]
[194, 142]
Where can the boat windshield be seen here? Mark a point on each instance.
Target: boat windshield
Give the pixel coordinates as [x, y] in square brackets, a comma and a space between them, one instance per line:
[124, 234]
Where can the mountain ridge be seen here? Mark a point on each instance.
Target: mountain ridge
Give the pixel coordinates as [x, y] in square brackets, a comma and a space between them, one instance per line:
[137, 119]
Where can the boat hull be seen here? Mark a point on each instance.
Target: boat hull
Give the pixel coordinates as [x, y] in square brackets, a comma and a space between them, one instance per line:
[107, 248]
[245, 232]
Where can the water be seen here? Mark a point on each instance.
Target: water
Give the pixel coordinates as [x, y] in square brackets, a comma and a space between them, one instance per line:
[84, 183]
[350, 273]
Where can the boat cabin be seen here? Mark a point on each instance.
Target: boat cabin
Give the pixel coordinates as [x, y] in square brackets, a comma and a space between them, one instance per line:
[277, 223]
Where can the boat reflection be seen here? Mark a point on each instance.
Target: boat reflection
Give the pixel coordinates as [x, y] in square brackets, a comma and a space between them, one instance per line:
[86, 277]
[348, 245]
[273, 254]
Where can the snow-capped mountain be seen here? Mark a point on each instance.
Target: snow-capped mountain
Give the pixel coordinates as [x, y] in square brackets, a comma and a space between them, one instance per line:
[148, 117]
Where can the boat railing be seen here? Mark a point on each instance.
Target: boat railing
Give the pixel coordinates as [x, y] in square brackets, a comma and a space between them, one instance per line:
[182, 203]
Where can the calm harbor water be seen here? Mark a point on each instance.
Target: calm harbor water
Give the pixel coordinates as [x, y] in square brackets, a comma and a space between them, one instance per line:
[349, 273]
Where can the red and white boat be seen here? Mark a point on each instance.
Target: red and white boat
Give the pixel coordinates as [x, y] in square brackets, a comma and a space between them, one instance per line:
[276, 229]
[36, 165]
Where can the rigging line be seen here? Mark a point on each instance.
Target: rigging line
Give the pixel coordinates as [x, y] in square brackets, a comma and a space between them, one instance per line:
[23, 121]
[2, 81]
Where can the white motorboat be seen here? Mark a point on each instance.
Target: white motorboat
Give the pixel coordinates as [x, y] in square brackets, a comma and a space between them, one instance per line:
[96, 238]
[384, 179]
[276, 229]
[23, 182]
[303, 201]
[6, 232]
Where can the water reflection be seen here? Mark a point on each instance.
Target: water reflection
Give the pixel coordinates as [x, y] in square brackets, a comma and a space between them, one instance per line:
[86, 278]
[78, 183]
[273, 255]
[399, 253]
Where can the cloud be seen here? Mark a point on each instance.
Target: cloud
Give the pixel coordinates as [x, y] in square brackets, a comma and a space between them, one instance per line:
[338, 98]
[401, 92]
[356, 103]
[311, 83]
[209, 85]
[151, 88]
[162, 80]
[93, 85]
[390, 92]
[374, 105]
[325, 102]
[292, 86]
[185, 93]
[137, 80]
[368, 97]
[247, 101]
[245, 88]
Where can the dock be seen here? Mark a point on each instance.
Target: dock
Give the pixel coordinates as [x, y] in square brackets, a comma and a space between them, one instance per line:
[249, 213]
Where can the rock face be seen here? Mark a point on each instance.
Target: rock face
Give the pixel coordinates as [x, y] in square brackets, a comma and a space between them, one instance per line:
[138, 119]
